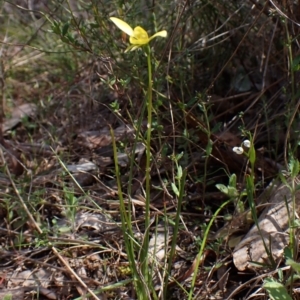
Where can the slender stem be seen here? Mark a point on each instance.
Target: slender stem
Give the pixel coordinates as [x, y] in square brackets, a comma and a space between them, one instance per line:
[181, 185]
[203, 244]
[144, 256]
[126, 220]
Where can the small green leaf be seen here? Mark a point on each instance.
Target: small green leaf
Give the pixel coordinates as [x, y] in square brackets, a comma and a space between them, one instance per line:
[8, 297]
[282, 178]
[64, 39]
[232, 180]
[232, 192]
[227, 217]
[64, 229]
[65, 28]
[252, 154]
[291, 279]
[179, 172]
[240, 207]
[56, 27]
[223, 188]
[280, 274]
[296, 63]
[209, 147]
[179, 156]
[276, 290]
[294, 167]
[175, 189]
[296, 223]
[70, 38]
[288, 253]
[293, 264]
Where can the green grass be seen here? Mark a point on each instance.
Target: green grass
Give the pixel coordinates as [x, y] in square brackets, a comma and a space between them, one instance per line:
[198, 90]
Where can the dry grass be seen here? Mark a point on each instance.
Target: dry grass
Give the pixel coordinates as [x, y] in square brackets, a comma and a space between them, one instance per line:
[226, 70]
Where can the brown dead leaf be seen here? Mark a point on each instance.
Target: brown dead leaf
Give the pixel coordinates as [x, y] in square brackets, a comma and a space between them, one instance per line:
[274, 225]
[27, 109]
[102, 138]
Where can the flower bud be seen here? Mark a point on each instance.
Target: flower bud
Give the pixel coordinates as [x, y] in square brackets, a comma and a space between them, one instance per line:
[246, 143]
[238, 150]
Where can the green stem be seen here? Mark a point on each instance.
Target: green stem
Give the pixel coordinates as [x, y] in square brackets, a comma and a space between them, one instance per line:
[144, 256]
[203, 244]
[181, 185]
[126, 221]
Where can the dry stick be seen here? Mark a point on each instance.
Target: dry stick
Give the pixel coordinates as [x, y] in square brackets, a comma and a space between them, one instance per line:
[249, 282]
[280, 12]
[40, 231]
[64, 240]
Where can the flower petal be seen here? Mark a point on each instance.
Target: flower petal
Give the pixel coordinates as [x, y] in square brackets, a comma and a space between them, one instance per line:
[247, 143]
[140, 33]
[122, 25]
[162, 33]
[238, 150]
[135, 41]
[132, 48]
[140, 36]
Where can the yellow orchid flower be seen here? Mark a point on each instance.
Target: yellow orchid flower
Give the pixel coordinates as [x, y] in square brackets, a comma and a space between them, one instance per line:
[138, 36]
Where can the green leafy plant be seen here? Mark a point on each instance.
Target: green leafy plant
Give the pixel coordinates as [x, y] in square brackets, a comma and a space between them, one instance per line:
[139, 39]
[276, 290]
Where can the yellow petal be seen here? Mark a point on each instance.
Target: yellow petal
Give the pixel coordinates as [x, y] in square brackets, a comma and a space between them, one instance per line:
[134, 48]
[131, 48]
[122, 25]
[140, 36]
[162, 33]
[140, 33]
[135, 41]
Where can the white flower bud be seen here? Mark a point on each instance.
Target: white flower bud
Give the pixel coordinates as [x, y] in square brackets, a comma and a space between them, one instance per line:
[238, 150]
[246, 143]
